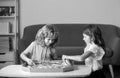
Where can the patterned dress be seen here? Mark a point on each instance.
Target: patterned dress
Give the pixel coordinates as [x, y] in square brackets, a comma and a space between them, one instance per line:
[95, 61]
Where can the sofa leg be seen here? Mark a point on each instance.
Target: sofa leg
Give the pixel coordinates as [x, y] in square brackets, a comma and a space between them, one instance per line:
[111, 70]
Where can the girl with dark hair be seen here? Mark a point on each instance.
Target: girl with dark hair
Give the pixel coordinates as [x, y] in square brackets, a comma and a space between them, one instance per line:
[43, 48]
[93, 52]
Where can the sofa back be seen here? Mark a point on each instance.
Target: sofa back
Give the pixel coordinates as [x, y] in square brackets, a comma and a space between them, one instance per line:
[71, 34]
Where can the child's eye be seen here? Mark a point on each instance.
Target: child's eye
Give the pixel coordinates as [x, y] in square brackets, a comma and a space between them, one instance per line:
[53, 40]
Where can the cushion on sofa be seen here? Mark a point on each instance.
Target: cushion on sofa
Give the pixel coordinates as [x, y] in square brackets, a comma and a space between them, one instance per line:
[69, 51]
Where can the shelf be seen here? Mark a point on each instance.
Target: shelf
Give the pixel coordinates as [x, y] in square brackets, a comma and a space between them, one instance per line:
[7, 56]
[7, 0]
[7, 17]
[7, 52]
[7, 3]
[8, 31]
[10, 34]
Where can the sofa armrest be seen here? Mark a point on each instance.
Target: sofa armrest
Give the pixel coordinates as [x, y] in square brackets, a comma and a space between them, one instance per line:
[107, 57]
[22, 45]
[115, 46]
[108, 53]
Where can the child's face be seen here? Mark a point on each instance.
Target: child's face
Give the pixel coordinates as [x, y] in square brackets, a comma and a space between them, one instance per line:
[86, 38]
[48, 41]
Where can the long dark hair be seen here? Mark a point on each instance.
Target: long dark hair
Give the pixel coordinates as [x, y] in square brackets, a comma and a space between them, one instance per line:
[95, 33]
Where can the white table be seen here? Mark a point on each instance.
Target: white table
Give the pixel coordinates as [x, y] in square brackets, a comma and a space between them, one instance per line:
[16, 71]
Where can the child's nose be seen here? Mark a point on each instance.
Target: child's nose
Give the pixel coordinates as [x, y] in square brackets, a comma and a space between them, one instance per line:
[83, 38]
[50, 41]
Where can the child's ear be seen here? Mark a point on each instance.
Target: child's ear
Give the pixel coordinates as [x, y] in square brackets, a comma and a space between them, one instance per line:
[91, 39]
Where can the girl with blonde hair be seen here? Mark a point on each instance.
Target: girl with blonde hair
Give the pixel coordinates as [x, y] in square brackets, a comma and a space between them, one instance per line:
[43, 47]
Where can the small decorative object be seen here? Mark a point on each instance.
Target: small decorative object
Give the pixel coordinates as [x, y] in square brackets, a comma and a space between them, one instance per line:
[7, 10]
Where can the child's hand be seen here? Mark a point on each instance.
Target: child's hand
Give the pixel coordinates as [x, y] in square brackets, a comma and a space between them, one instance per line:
[30, 62]
[64, 57]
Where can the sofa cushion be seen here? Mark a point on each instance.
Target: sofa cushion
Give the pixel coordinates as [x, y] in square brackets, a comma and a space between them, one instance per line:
[69, 51]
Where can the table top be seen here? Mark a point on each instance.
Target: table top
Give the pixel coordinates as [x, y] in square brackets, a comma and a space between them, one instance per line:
[16, 71]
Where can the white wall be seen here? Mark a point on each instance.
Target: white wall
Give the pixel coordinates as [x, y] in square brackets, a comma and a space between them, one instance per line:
[69, 11]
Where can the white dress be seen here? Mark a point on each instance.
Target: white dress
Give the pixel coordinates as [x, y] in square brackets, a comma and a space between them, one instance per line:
[95, 60]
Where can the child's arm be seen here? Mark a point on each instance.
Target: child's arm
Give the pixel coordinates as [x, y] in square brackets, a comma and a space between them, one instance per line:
[24, 54]
[54, 55]
[78, 57]
[25, 58]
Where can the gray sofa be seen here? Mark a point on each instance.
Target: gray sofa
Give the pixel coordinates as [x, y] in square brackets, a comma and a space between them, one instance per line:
[71, 42]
